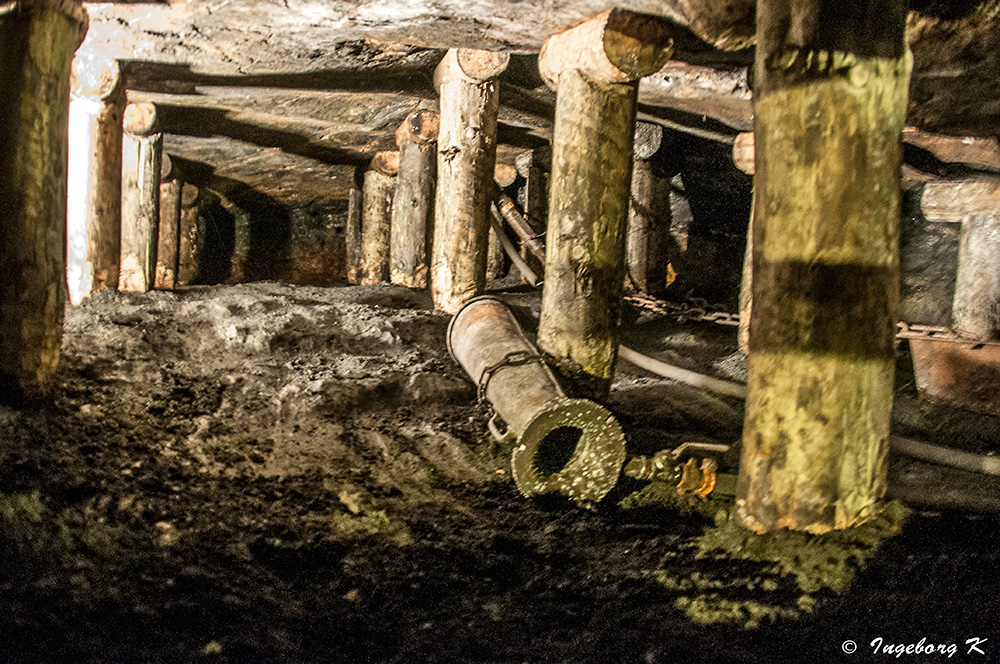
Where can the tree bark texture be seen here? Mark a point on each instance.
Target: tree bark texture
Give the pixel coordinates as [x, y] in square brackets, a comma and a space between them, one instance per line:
[976, 307]
[829, 102]
[376, 219]
[466, 158]
[188, 246]
[585, 242]
[37, 41]
[93, 214]
[648, 246]
[141, 153]
[168, 247]
[352, 229]
[413, 203]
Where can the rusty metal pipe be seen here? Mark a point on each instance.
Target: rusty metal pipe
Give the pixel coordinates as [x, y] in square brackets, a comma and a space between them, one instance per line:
[508, 210]
[570, 446]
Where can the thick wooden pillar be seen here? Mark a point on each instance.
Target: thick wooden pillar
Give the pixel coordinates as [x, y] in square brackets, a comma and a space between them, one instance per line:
[595, 68]
[376, 217]
[37, 41]
[648, 246]
[93, 210]
[352, 229]
[829, 102]
[188, 246]
[168, 245]
[467, 143]
[975, 203]
[141, 153]
[413, 202]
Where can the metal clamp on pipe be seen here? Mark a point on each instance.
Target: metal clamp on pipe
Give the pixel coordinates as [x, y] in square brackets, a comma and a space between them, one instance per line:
[570, 446]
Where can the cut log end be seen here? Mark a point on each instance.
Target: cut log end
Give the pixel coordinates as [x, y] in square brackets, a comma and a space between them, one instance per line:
[95, 76]
[140, 119]
[386, 163]
[504, 174]
[617, 46]
[470, 65]
[421, 127]
[648, 139]
[744, 153]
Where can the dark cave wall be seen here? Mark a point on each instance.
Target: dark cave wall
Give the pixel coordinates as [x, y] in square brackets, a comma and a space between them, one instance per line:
[247, 236]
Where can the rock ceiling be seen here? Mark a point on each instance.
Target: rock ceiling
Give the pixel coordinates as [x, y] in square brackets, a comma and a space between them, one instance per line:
[287, 96]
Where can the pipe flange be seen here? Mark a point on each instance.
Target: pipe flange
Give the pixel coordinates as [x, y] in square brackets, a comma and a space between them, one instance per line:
[593, 467]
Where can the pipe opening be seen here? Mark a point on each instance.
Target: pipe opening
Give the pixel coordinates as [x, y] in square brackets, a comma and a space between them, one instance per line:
[556, 449]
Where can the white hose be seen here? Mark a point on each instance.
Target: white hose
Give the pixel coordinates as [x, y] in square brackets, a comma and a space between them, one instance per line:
[943, 456]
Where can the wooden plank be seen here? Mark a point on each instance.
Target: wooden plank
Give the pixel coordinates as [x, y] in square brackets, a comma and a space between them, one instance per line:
[953, 200]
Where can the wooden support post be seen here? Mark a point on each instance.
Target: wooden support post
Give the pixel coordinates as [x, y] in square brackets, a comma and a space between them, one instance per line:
[189, 247]
[829, 102]
[467, 143]
[595, 68]
[170, 226]
[648, 246]
[976, 204]
[37, 41]
[93, 211]
[376, 217]
[141, 152]
[352, 229]
[413, 202]
[534, 166]
[743, 157]
[496, 263]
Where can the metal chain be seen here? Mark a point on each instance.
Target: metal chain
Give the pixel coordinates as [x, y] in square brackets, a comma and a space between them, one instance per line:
[698, 310]
[694, 309]
[514, 358]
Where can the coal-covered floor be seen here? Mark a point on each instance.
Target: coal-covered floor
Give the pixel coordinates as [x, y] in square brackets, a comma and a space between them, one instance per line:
[269, 473]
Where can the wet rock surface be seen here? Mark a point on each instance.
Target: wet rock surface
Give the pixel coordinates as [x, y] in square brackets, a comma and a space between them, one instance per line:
[268, 473]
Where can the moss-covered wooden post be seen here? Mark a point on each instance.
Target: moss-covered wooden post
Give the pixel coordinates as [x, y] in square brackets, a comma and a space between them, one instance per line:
[595, 69]
[467, 143]
[93, 210]
[413, 202]
[169, 233]
[829, 103]
[141, 154]
[37, 42]
[647, 247]
[188, 246]
[376, 217]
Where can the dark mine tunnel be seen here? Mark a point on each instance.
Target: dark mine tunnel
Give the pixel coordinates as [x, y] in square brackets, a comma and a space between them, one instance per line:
[649, 331]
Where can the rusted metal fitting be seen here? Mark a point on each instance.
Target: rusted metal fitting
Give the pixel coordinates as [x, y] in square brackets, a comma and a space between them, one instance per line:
[561, 445]
[692, 467]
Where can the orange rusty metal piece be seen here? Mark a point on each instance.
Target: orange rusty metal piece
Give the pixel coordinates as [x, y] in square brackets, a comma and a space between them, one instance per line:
[966, 375]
